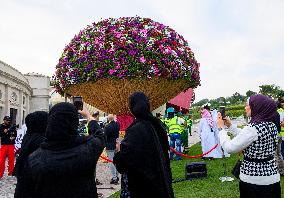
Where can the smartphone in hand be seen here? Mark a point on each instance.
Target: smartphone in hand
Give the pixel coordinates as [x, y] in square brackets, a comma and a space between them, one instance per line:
[78, 102]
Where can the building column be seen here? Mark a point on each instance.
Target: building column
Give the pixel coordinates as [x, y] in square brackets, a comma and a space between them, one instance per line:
[7, 101]
[28, 104]
[21, 107]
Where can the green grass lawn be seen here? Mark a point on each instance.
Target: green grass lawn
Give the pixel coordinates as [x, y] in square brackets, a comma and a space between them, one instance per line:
[207, 187]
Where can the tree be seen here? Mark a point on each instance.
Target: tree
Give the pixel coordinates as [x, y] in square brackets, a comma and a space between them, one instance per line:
[272, 91]
[249, 93]
[281, 93]
[221, 100]
[201, 102]
[236, 98]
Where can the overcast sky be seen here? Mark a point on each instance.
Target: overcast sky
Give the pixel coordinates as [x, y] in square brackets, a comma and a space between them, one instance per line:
[239, 44]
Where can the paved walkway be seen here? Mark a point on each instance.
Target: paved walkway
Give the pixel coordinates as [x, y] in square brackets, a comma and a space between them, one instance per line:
[7, 185]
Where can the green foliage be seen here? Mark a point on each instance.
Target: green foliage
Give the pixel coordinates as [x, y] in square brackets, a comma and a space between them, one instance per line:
[196, 113]
[200, 103]
[273, 91]
[207, 187]
[236, 98]
[235, 113]
[232, 111]
[249, 93]
[235, 107]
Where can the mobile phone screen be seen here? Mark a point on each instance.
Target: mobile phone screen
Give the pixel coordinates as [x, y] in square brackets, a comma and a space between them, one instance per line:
[78, 102]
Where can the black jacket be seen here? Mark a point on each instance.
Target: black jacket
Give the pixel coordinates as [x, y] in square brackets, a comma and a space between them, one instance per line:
[5, 137]
[66, 173]
[93, 126]
[112, 133]
[146, 162]
[65, 163]
[30, 143]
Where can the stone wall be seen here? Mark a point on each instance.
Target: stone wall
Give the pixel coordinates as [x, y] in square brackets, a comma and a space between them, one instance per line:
[15, 93]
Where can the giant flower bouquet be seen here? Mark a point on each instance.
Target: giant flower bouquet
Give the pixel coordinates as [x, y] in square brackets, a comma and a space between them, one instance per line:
[109, 60]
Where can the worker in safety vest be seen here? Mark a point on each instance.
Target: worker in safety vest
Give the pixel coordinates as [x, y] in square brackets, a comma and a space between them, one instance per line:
[175, 128]
[166, 119]
[186, 132]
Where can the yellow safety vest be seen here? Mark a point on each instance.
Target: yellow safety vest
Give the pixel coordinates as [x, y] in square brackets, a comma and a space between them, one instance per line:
[174, 127]
[281, 111]
[166, 122]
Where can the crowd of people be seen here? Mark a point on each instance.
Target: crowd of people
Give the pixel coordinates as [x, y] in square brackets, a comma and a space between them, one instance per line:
[57, 161]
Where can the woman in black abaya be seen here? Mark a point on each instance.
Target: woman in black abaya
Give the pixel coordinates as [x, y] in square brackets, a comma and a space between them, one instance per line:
[65, 163]
[36, 123]
[143, 158]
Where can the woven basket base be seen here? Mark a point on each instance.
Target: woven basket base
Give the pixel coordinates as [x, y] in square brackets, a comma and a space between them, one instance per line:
[111, 95]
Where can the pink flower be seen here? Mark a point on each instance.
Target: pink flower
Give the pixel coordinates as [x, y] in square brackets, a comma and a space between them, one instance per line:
[118, 35]
[142, 59]
[117, 66]
[96, 41]
[111, 71]
[156, 71]
[144, 31]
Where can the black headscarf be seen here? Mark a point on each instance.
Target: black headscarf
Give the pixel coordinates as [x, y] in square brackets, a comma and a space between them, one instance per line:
[140, 107]
[62, 125]
[36, 123]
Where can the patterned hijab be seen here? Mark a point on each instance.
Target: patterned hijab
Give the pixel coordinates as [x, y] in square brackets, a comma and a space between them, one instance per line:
[206, 114]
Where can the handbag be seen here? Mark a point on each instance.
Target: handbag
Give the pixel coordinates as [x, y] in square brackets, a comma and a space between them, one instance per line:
[237, 168]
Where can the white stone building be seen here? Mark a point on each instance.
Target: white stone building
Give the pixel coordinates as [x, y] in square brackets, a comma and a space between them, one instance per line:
[21, 94]
[40, 85]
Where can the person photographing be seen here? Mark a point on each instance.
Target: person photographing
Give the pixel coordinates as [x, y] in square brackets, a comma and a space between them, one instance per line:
[259, 175]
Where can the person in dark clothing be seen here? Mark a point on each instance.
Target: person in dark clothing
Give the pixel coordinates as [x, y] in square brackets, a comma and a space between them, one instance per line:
[277, 122]
[36, 127]
[8, 134]
[92, 128]
[94, 125]
[64, 164]
[143, 159]
[112, 133]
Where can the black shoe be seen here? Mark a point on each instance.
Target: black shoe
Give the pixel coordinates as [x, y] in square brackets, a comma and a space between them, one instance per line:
[114, 181]
[98, 182]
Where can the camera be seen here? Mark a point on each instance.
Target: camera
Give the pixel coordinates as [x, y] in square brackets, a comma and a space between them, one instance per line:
[222, 110]
[78, 102]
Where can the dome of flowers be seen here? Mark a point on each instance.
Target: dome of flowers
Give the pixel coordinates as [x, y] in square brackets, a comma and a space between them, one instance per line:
[126, 48]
